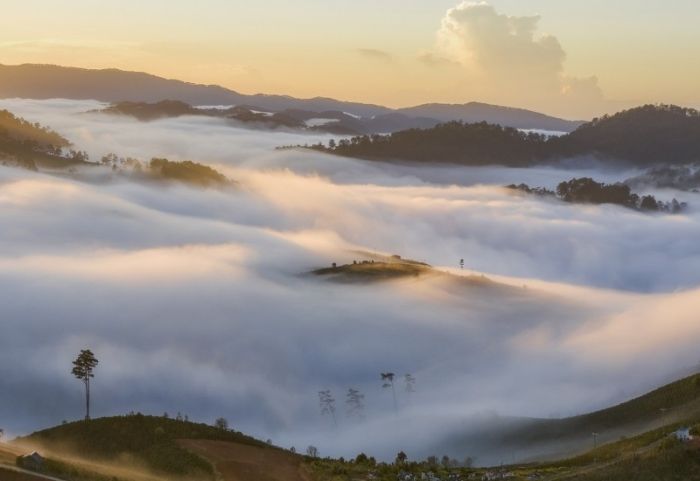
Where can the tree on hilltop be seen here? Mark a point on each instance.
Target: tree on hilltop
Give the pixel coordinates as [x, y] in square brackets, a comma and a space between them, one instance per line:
[83, 368]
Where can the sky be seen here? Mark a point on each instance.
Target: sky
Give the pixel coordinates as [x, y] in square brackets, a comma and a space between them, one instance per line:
[570, 58]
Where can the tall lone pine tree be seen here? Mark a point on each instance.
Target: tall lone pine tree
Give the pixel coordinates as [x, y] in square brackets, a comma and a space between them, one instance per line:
[83, 367]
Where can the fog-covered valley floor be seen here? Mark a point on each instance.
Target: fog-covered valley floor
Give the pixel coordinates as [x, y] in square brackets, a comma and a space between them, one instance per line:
[197, 300]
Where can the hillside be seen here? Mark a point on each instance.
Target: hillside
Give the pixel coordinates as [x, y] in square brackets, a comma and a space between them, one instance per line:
[145, 111]
[640, 137]
[242, 462]
[452, 142]
[643, 136]
[678, 402]
[150, 442]
[112, 85]
[473, 112]
[634, 442]
[30, 144]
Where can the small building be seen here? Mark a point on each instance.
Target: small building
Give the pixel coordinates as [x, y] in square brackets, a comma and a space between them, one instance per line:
[33, 461]
[683, 435]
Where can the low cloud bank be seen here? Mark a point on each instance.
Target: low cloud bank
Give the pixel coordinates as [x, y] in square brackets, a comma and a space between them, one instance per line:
[195, 300]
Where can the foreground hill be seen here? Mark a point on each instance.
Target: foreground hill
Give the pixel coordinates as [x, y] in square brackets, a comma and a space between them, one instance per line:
[112, 85]
[241, 462]
[635, 442]
[673, 404]
[154, 447]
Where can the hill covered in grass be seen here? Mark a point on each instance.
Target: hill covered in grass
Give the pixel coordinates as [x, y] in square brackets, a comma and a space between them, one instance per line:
[376, 268]
[173, 449]
[673, 404]
[150, 441]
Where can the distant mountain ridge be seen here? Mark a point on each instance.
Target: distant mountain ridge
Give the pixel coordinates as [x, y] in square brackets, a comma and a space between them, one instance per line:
[472, 112]
[113, 85]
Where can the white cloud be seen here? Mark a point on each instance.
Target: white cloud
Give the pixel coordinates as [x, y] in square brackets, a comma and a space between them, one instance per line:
[508, 58]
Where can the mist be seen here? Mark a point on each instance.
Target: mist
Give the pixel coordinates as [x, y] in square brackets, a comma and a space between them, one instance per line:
[199, 301]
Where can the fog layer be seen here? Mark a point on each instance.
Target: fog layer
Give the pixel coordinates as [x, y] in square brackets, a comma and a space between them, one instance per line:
[197, 300]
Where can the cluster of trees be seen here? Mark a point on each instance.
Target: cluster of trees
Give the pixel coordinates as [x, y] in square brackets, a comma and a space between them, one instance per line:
[643, 136]
[402, 469]
[454, 142]
[588, 191]
[23, 130]
[163, 169]
[355, 400]
[151, 111]
[26, 144]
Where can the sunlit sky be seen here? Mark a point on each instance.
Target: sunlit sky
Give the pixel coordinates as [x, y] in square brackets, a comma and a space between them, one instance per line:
[579, 58]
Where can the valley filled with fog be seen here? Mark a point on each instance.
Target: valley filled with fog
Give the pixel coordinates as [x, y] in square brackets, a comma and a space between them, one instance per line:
[200, 301]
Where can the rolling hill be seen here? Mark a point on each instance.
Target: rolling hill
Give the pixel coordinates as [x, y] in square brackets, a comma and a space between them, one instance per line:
[113, 85]
[673, 404]
[472, 112]
[645, 136]
[150, 448]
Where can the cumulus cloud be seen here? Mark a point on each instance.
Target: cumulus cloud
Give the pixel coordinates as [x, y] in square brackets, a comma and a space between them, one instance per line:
[196, 300]
[503, 53]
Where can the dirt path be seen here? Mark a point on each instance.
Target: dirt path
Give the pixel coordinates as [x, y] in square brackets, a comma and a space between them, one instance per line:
[241, 462]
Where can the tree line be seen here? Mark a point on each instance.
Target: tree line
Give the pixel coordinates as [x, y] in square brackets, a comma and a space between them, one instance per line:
[587, 191]
[355, 399]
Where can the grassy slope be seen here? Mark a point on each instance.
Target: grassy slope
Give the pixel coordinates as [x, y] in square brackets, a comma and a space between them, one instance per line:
[677, 402]
[243, 462]
[376, 268]
[670, 461]
[373, 271]
[147, 440]
[168, 446]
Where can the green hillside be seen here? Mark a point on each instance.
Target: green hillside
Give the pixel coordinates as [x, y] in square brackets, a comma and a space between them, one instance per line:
[672, 404]
[149, 440]
[27, 145]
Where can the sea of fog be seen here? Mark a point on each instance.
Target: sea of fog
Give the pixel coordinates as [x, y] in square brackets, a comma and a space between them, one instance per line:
[196, 301]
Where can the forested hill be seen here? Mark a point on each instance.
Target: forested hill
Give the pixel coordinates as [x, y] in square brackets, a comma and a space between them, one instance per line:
[641, 137]
[26, 144]
[20, 130]
[455, 142]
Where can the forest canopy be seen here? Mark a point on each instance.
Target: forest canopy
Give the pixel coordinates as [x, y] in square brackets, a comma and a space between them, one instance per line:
[643, 136]
[587, 191]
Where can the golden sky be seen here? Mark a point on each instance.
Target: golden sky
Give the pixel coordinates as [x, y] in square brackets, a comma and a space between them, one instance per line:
[574, 58]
